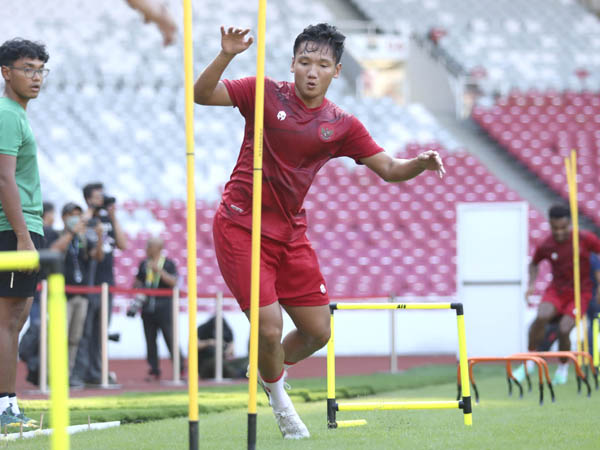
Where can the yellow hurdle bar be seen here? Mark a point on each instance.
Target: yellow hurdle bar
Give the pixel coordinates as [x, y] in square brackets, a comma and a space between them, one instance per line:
[381, 406]
[391, 306]
[333, 407]
[10, 261]
[350, 423]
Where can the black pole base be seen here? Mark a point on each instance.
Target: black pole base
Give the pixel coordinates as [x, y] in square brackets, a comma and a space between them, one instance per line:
[193, 435]
[251, 431]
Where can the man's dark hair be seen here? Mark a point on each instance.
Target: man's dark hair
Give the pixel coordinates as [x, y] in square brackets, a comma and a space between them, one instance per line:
[322, 33]
[89, 188]
[18, 48]
[559, 211]
[47, 207]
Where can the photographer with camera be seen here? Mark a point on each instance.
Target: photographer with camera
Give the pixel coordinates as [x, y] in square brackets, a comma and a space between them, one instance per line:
[155, 272]
[80, 245]
[101, 211]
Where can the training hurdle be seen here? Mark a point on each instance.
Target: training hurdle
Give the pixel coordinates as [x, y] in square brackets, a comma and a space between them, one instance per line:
[59, 364]
[333, 406]
[595, 331]
[542, 371]
[573, 357]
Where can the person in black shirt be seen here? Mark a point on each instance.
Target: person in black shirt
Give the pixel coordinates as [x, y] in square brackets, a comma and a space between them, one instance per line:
[232, 367]
[80, 245]
[101, 209]
[156, 272]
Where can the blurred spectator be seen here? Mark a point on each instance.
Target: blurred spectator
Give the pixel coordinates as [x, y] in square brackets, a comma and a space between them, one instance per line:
[232, 367]
[29, 345]
[155, 272]
[594, 308]
[80, 245]
[50, 234]
[101, 209]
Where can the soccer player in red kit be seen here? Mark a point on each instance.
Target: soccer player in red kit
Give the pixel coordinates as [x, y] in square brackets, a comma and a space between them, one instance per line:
[302, 131]
[558, 301]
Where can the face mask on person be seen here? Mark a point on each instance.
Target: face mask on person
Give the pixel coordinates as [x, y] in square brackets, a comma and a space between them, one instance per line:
[72, 221]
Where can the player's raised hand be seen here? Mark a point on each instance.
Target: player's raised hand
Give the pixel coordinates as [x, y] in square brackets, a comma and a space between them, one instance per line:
[233, 41]
[431, 160]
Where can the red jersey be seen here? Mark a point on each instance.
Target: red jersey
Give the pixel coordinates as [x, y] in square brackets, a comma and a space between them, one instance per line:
[561, 258]
[298, 141]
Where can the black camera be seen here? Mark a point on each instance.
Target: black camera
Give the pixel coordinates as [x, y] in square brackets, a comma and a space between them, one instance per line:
[108, 201]
[136, 306]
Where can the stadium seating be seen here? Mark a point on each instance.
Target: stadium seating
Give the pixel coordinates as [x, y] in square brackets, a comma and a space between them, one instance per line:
[372, 238]
[540, 129]
[504, 43]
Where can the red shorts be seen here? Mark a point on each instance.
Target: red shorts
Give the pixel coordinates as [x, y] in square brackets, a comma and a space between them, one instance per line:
[289, 272]
[564, 300]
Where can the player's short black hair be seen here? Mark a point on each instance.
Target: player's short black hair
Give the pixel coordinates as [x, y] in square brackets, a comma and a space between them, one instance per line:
[322, 33]
[18, 48]
[89, 188]
[559, 211]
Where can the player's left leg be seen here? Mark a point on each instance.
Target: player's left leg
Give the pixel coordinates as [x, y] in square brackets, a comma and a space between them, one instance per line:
[312, 331]
[565, 325]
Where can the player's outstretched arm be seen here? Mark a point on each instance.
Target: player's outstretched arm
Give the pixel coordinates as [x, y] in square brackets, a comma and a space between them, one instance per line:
[158, 13]
[533, 273]
[395, 169]
[208, 90]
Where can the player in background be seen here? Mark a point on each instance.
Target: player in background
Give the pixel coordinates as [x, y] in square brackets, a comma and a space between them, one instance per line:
[558, 301]
[302, 131]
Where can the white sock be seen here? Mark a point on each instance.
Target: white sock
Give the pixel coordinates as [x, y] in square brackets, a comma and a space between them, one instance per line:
[13, 405]
[286, 366]
[4, 403]
[279, 398]
[530, 365]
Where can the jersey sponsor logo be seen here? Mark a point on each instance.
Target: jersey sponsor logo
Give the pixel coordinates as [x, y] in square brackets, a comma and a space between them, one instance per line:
[326, 132]
[323, 289]
[281, 115]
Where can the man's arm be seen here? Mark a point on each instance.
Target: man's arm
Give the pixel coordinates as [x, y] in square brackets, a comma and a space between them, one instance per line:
[533, 273]
[208, 90]
[395, 169]
[97, 252]
[157, 13]
[120, 237]
[11, 202]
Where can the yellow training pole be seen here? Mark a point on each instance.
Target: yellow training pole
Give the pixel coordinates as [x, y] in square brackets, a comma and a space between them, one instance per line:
[571, 169]
[595, 331]
[256, 221]
[59, 365]
[464, 367]
[188, 59]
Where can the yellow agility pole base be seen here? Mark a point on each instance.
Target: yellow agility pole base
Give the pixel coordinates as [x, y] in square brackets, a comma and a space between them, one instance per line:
[333, 406]
[57, 304]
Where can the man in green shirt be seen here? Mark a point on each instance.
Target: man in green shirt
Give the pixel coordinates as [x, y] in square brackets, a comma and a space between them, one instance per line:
[21, 227]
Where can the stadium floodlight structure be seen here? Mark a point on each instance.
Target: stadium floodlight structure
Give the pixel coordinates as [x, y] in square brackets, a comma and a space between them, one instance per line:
[333, 406]
[256, 221]
[52, 261]
[188, 62]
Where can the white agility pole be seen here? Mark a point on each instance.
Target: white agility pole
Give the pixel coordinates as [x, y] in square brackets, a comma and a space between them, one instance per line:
[393, 353]
[104, 334]
[43, 381]
[219, 337]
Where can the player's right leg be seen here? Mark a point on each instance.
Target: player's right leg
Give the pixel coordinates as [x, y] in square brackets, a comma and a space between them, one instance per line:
[546, 312]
